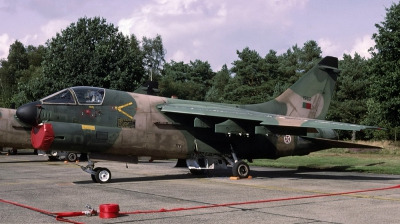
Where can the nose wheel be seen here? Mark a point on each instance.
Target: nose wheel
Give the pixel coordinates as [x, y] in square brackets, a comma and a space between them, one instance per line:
[102, 175]
[93, 176]
[99, 174]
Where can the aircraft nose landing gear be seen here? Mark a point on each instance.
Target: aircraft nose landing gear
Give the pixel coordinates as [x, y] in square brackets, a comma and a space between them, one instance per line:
[99, 174]
[103, 175]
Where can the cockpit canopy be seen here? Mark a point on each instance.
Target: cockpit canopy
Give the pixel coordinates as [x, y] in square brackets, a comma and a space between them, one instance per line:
[77, 95]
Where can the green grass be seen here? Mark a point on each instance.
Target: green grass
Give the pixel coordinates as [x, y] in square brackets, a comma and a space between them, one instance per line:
[382, 162]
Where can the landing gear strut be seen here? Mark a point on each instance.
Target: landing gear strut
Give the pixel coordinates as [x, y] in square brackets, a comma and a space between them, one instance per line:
[198, 164]
[239, 167]
[99, 174]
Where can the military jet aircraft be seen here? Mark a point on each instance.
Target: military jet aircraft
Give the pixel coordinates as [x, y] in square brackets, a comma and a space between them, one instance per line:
[121, 126]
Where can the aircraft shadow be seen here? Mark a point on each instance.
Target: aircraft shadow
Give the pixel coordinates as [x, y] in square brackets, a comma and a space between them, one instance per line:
[20, 153]
[29, 161]
[148, 178]
[305, 173]
[309, 173]
[299, 173]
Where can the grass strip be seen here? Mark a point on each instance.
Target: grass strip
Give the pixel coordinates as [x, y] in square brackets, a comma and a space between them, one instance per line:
[339, 160]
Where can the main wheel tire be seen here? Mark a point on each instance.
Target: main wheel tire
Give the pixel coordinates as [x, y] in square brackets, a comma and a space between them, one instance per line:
[241, 169]
[103, 175]
[72, 157]
[13, 151]
[93, 176]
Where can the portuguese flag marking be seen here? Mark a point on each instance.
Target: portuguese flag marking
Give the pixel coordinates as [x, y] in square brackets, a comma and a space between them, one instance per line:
[307, 105]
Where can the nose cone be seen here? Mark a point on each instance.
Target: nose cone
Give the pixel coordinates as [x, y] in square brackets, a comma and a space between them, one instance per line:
[28, 113]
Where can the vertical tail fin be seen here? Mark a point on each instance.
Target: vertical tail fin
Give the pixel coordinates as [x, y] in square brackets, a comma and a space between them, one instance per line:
[309, 97]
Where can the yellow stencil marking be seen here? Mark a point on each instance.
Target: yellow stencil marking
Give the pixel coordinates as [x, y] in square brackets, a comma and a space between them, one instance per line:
[92, 107]
[123, 112]
[88, 127]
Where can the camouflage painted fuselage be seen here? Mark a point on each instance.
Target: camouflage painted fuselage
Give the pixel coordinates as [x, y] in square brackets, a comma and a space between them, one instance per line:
[132, 124]
[12, 133]
[110, 122]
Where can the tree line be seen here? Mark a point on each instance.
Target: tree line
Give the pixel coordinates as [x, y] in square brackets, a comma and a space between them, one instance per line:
[92, 52]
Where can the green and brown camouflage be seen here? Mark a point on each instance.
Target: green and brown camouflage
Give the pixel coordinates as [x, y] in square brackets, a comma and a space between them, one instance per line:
[309, 97]
[123, 125]
[12, 133]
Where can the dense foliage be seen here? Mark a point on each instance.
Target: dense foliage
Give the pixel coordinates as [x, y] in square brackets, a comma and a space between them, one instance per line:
[94, 53]
[384, 70]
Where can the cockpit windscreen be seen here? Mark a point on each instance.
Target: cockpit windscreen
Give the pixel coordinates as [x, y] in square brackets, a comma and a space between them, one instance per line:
[61, 97]
[88, 95]
[81, 94]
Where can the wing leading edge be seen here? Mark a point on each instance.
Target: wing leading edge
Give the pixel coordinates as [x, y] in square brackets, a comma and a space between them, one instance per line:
[265, 119]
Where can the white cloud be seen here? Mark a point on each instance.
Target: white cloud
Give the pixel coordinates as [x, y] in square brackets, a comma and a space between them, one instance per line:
[172, 7]
[361, 46]
[124, 25]
[29, 38]
[5, 43]
[171, 18]
[197, 43]
[51, 28]
[47, 31]
[222, 12]
[329, 48]
[193, 29]
[178, 56]
[188, 16]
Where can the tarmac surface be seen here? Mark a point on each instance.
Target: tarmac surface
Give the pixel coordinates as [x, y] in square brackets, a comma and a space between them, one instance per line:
[271, 196]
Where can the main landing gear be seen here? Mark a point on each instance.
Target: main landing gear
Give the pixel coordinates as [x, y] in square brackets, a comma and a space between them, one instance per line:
[241, 169]
[99, 174]
[198, 164]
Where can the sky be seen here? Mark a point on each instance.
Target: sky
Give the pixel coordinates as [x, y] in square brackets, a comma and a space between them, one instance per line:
[208, 30]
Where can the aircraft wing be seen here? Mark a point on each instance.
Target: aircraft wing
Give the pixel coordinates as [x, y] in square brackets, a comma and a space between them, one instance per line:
[265, 119]
[328, 143]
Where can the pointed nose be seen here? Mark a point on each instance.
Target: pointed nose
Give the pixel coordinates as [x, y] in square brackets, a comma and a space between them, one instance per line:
[28, 113]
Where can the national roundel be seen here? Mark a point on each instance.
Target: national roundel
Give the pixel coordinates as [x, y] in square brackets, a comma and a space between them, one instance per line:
[287, 139]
